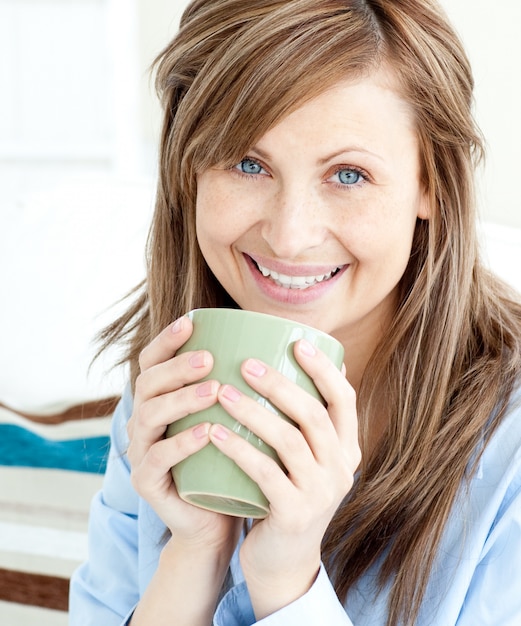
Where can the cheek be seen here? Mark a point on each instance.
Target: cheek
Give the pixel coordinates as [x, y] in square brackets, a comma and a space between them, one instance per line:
[204, 218]
[216, 228]
[223, 217]
[209, 209]
[219, 223]
[379, 235]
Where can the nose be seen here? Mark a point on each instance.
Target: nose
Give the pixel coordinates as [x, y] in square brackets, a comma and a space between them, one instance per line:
[294, 223]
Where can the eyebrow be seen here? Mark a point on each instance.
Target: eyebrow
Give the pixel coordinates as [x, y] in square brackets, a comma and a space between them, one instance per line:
[358, 149]
[347, 150]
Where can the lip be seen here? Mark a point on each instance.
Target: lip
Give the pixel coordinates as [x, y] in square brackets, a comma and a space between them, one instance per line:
[292, 296]
[292, 270]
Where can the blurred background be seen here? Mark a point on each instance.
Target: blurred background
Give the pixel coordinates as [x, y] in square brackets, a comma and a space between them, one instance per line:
[79, 126]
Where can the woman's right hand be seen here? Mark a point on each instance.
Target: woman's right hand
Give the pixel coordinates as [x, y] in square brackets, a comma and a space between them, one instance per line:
[168, 389]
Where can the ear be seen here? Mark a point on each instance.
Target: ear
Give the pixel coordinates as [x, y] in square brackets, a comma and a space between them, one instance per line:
[424, 205]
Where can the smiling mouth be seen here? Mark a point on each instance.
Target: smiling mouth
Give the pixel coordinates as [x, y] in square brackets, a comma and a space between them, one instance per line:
[296, 282]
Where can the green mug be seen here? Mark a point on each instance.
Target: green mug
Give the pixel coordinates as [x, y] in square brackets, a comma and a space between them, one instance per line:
[208, 478]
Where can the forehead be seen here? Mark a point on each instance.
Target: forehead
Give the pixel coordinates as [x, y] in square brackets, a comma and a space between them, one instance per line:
[370, 111]
[379, 88]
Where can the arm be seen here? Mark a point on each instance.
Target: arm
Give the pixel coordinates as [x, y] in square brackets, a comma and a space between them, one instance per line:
[106, 589]
[319, 605]
[112, 540]
[184, 589]
[192, 566]
[494, 593]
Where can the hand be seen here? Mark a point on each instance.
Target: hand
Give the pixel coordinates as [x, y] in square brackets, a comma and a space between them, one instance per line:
[281, 555]
[167, 389]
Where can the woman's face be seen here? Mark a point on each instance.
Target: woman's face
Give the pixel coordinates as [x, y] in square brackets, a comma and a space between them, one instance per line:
[316, 222]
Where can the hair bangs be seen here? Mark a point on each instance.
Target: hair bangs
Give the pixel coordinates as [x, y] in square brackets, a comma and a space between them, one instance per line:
[273, 65]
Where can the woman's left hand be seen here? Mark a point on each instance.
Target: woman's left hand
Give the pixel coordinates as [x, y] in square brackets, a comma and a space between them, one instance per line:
[280, 557]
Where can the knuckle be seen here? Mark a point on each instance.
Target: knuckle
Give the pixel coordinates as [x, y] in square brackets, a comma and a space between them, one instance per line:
[131, 456]
[350, 394]
[357, 456]
[329, 502]
[142, 358]
[320, 415]
[139, 417]
[353, 455]
[345, 480]
[332, 494]
[130, 427]
[155, 457]
[140, 385]
[292, 439]
[144, 414]
[345, 475]
[267, 469]
[136, 480]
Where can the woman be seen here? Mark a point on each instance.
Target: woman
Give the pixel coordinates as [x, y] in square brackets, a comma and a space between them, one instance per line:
[317, 163]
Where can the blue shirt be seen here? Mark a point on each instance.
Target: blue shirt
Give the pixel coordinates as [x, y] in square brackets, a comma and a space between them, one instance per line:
[476, 579]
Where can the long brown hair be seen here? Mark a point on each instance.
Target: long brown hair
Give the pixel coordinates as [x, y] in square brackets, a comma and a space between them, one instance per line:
[452, 354]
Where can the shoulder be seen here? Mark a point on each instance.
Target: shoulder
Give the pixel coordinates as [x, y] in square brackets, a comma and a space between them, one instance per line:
[503, 451]
[493, 489]
[122, 414]
[500, 464]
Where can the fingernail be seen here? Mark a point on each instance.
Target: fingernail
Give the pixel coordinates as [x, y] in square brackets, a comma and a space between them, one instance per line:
[201, 431]
[205, 389]
[219, 432]
[198, 359]
[255, 368]
[177, 325]
[306, 348]
[230, 393]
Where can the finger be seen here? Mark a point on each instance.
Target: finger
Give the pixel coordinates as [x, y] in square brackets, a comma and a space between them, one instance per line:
[167, 376]
[332, 385]
[165, 345]
[289, 442]
[308, 412]
[261, 468]
[151, 418]
[339, 395]
[152, 476]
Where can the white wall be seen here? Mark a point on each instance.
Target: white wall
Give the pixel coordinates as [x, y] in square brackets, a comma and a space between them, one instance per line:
[78, 133]
[491, 33]
[75, 198]
[158, 21]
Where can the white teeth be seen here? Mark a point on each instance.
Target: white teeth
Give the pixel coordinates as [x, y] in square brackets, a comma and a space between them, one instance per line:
[295, 282]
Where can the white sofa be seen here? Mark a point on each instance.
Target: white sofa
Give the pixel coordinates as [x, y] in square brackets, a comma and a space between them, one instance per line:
[66, 255]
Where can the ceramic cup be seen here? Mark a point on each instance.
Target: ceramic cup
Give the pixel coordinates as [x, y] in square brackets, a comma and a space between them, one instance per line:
[208, 478]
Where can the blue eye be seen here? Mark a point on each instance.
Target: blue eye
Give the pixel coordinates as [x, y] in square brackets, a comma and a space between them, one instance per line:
[349, 176]
[250, 166]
